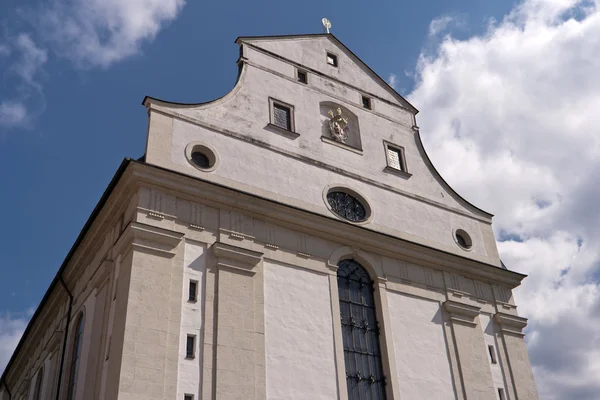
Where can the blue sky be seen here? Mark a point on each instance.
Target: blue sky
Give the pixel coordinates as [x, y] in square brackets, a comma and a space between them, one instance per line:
[507, 92]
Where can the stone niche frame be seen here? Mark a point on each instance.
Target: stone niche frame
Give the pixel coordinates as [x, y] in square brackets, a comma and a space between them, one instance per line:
[353, 143]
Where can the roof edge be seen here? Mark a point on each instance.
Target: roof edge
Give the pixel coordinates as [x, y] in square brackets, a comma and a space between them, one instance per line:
[107, 192]
[240, 39]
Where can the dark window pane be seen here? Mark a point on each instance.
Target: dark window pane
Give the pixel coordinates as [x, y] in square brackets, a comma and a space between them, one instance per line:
[281, 117]
[302, 76]
[200, 159]
[366, 102]
[346, 206]
[192, 291]
[461, 240]
[189, 348]
[188, 397]
[360, 333]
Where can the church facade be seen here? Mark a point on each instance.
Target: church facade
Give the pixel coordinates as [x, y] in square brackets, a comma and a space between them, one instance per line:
[290, 240]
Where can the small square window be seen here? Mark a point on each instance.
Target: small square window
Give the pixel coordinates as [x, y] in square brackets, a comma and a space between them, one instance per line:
[366, 102]
[332, 59]
[193, 291]
[188, 397]
[302, 76]
[492, 352]
[282, 115]
[189, 346]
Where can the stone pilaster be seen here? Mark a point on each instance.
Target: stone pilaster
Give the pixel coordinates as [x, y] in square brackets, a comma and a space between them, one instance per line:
[476, 377]
[239, 360]
[517, 358]
[153, 312]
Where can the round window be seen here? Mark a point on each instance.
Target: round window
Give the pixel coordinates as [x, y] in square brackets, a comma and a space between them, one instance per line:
[347, 206]
[201, 156]
[463, 239]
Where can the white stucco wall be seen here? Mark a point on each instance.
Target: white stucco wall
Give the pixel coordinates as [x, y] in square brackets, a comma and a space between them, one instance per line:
[488, 326]
[189, 379]
[420, 346]
[298, 334]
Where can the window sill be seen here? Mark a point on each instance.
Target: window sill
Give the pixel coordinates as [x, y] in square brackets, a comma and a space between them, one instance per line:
[398, 172]
[325, 139]
[284, 132]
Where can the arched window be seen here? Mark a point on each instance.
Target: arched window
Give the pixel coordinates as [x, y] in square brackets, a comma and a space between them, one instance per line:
[76, 355]
[360, 333]
[37, 389]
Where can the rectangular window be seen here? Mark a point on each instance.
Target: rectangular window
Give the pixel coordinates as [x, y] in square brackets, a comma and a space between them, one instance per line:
[366, 102]
[395, 158]
[492, 354]
[189, 346]
[301, 76]
[188, 397]
[193, 291]
[282, 115]
[332, 59]
[501, 394]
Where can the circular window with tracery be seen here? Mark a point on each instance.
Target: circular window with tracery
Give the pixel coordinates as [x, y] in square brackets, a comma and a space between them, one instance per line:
[347, 206]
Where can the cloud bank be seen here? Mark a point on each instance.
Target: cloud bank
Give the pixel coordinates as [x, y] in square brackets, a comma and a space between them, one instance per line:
[511, 119]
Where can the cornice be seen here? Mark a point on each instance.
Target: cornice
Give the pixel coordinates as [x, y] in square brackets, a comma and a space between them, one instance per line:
[462, 313]
[216, 195]
[148, 238]
[511, 324]
[236, 258]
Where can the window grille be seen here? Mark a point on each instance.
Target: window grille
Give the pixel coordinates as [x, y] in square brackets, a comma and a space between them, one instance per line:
[360, 333]
[281, 117]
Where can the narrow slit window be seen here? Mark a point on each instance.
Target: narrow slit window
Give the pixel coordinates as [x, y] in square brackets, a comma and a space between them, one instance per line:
[332, 59]
[492, 352]
[189, 346]
[501, 394]
[193, 291]
[282, 116]
[366, 102]
[75, 357]
[360, 333]
[37, 391]
[302, 76]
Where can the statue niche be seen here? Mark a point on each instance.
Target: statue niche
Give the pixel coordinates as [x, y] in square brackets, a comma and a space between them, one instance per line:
[339, 124]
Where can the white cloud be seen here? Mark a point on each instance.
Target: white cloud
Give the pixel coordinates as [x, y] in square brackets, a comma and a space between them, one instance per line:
[11, 329]
[12, 113]
[102, 32]
[392, 80]
[510, 118]
[31, 59]
[439, 24]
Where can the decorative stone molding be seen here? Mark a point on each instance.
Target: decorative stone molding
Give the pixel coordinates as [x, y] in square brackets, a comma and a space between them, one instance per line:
[236, 258]
[462, 313]
[511, 324]
[148, 238]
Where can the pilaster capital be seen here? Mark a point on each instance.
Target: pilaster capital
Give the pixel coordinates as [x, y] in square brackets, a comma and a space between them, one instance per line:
[236, 258]
[149, 239]
[511, 324]
[461, 312]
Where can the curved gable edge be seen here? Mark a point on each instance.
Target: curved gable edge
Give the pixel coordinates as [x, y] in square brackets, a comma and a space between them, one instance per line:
[468, 205]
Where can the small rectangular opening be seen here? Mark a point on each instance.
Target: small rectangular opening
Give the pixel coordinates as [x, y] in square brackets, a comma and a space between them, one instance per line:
[366, 102]
[302, 76]
[193, 291]
[395, 158]
[492, 352]
[282, 116]
[188, 397]
[332, 59]
[189, 346]
[501, 394]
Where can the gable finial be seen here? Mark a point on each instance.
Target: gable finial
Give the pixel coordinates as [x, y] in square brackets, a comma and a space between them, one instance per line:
[326, 24]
